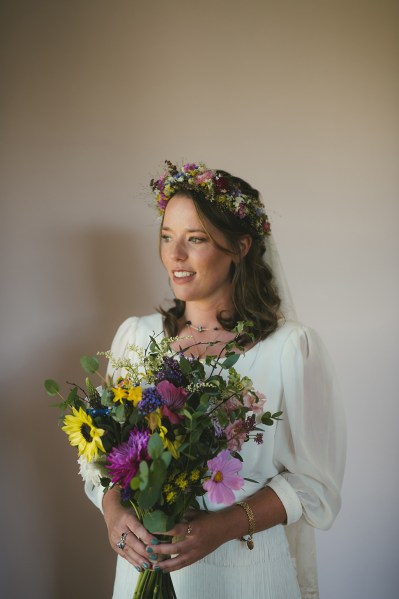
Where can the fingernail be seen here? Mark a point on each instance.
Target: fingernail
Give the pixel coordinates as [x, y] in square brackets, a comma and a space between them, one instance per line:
[149, 550]
[154, 541]
[138, 568]
[145, 566]
[153, 557]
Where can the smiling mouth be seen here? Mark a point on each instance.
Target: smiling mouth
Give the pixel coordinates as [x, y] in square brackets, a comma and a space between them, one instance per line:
[183, 274]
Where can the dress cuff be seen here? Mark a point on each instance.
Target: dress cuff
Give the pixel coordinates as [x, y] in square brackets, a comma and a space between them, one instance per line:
[95, 493]
[287, 496]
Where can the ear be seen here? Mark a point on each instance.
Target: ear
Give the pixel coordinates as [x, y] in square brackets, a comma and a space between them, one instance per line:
[245, 245]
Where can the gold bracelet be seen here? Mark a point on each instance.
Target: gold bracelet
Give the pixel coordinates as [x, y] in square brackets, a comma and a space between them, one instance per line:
[251, 524]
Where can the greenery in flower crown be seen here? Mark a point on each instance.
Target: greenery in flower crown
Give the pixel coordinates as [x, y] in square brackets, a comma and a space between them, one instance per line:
[217, 187]
[167, 432]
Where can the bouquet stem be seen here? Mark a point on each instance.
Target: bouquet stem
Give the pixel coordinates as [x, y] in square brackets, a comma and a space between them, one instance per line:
[154, 584]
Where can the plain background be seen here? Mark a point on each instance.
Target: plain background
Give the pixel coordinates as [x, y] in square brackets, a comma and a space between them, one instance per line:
[300, 98]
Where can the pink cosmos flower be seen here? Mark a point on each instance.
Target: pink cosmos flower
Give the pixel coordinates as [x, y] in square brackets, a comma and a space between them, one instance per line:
[224, 477]
[255, 402]
[174, 399]
[236, 434]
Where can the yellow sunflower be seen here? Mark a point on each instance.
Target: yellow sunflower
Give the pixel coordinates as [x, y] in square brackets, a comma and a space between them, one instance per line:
[83, 434]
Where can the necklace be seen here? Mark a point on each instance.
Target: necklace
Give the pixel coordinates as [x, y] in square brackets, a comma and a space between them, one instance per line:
[199, 328]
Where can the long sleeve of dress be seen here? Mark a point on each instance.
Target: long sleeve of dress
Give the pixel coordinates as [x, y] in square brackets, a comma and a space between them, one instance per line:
[124, 337]
[310, 440]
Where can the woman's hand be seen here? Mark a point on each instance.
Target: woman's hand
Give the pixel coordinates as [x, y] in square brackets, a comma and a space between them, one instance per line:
[140, 547]
[200, 534]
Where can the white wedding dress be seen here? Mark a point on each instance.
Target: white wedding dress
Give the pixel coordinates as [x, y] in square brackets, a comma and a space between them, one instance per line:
[301, 459]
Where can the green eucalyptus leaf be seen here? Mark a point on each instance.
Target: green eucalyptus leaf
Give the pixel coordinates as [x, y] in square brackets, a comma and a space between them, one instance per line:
[135, 483]
[150, 494]
[155, 446]
[185, 365]
[230, 361]
[73, 396]
[89, 364]
[166, 457]
[158, 521]
[52, 387]
[119, 413]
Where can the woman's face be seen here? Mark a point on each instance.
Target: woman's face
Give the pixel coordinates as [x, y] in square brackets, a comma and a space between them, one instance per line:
[198, 270]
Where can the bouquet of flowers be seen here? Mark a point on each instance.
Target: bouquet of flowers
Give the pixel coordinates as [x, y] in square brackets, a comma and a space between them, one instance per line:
[167, 431]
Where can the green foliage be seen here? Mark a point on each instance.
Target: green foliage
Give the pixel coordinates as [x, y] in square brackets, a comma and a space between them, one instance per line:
[52, 387]
[268, 418]
[89, 364]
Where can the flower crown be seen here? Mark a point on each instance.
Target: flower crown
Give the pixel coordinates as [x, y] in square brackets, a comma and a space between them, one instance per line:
[216, 187]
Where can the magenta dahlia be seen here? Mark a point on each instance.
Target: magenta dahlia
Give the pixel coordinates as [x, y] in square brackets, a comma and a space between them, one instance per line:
[123, 461]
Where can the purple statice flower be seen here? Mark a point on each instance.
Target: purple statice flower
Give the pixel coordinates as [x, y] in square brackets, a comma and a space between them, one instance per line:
[171, 372]
[259, 438]
[151, 401]
[123, 461]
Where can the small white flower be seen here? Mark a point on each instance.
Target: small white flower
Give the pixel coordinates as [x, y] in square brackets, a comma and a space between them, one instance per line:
[91, 471]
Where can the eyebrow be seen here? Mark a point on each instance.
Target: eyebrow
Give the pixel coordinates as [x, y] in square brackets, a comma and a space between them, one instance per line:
[187, 230]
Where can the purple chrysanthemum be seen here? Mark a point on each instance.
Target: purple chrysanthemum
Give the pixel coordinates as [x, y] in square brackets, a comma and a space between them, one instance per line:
[123, 461]
[151, 401]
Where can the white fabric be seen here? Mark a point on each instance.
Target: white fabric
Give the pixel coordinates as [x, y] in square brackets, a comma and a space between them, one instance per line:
[301, 459]
[272, 259]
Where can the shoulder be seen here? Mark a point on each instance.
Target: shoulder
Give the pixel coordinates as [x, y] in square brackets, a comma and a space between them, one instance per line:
[289, 332]
[293, 341]
[136, 330]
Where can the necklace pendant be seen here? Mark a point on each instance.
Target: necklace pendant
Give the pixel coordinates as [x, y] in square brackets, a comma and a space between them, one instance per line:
[200, 329]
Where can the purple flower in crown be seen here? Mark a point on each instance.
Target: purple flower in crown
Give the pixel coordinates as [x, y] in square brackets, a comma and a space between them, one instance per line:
[190, 167]
[241, 210]
[221, 184]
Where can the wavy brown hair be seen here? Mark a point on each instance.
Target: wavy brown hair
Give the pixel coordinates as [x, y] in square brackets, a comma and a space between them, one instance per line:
[254, 294]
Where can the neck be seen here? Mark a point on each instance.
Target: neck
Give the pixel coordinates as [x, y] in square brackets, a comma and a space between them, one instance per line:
[204, 318]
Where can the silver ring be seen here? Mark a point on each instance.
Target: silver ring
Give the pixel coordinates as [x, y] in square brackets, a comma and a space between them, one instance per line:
[189, 530]
[122, 541]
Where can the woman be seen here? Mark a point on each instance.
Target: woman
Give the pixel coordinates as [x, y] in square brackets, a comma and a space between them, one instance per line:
[214, 236]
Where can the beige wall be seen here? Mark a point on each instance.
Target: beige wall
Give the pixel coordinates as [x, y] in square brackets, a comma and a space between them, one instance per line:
[299, 97]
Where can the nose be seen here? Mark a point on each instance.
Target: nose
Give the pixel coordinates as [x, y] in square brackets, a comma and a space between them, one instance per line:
[178, 250]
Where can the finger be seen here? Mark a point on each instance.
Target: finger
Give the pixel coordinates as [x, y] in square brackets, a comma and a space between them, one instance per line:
[134, 551]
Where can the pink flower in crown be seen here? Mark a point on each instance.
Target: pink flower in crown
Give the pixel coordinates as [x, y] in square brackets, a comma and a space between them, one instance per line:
[236, 435]
[224, 478]
[173, 398]
[255, 403]
[190, 167]
[204, 177]
[266, 226]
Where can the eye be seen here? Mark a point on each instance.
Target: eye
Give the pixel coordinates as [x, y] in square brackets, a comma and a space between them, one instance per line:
[196, 239]
[165, 238]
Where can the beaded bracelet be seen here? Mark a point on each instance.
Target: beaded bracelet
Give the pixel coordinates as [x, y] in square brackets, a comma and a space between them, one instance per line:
[251, 524]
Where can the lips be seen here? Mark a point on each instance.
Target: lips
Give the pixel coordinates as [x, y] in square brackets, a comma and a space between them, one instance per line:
[182, 275]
